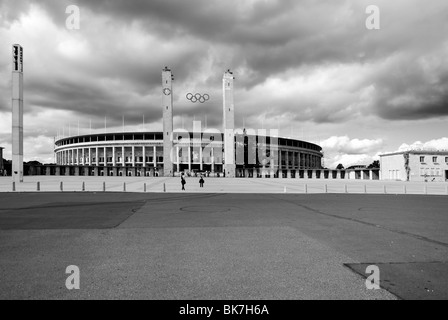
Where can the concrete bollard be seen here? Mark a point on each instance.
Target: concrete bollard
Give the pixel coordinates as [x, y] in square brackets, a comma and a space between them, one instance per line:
[326, 188]
[38, 186]
[346, 188]
[13, 186]
[365, 188]
[164, 187]
[104, 186]
[144, 187]
[385, 191]
[404, 189]
[62, 186]
[284, 189]
[124, 186]
[306, 188]
[83, 188]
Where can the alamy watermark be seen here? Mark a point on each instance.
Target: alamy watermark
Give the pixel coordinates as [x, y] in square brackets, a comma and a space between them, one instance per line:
[73, 21]
[373, 20]
[373, 280]
[73, 280]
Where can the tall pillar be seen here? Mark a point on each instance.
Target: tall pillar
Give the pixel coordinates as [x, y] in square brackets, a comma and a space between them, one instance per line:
[114, 161]
[17, 113]
[97, 158]
[133, 156]
[123, 159]
[313, 174]
[144, 158]
[177, 158]
[228, 124]
[154, 159]
[201, 165]
[167, 105]
[213, 159]
[189, 158]
[1, 160]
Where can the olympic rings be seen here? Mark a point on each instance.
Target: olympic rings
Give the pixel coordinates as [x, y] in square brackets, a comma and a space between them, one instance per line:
[197, 97]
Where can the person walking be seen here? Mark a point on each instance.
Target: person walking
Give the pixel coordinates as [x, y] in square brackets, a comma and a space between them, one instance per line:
[183, 182]
[201, 182]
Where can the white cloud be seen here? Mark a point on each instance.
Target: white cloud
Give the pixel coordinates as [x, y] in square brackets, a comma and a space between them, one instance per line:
[435, 144]
[348, 160]
[343, 144]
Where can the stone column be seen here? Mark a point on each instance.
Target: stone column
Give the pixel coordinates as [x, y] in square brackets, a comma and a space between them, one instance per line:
[154, 148]
[114, 161]
[144, 159]
[177, 159]
[97, 158]
[201, 167]
[213, 160]
[288, 174]
[133, 156]
[189, 158]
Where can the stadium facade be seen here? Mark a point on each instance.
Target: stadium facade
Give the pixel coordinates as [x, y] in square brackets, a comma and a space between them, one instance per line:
[227, 152]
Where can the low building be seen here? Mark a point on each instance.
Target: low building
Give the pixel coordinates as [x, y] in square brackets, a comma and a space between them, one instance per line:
[415, 165]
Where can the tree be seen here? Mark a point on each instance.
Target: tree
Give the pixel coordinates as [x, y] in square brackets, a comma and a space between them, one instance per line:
[340, 167]
[374, 165]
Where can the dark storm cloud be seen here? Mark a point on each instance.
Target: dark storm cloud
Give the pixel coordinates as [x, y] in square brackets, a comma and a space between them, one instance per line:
[261, 40]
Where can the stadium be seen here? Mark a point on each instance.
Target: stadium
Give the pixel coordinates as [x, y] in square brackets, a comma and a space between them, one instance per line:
[230, 153]
[142, 154]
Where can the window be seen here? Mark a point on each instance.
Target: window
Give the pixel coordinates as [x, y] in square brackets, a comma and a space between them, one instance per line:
[422, 159]
[434, 159]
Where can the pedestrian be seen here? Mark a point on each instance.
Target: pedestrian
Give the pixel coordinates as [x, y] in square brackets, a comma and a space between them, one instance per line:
[183, 182]
[201, 182]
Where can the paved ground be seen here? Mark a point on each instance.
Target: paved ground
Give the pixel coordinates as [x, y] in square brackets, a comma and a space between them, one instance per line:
[222, 246]
[222, 185]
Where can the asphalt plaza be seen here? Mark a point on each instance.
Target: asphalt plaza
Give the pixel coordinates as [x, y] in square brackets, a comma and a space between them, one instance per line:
[222, 245]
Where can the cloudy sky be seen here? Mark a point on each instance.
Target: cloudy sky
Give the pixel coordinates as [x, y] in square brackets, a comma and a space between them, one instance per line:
[311, 68]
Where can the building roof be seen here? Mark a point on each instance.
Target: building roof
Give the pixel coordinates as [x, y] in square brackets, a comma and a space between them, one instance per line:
[418, 152]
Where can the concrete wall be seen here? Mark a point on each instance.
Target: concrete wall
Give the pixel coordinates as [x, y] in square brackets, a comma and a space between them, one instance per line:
[393, 167]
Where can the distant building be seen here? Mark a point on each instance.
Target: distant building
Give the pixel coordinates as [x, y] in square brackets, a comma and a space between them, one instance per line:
[415, 165]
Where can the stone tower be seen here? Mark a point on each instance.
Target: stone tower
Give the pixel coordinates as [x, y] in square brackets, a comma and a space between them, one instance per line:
[17, 113]
[1, 160]
[228, 124]
[167, 105]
